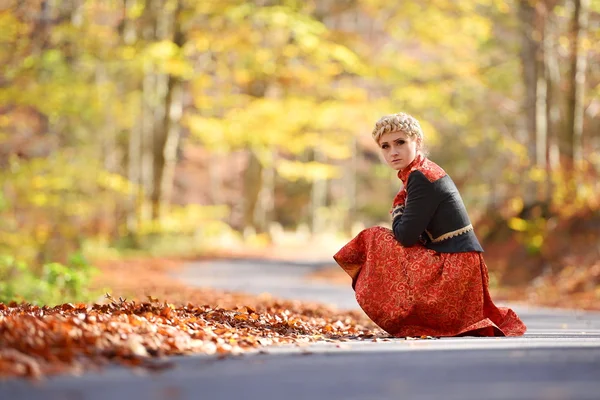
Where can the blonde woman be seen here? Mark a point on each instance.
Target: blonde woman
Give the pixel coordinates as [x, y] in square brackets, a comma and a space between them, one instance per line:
[427, 275]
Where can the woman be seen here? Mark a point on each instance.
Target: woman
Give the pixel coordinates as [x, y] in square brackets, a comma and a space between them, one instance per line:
[427, 275]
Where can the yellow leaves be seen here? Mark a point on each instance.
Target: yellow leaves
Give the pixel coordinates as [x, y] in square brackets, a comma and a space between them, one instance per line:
[11, 27]
[161, 51]
[128, 53]
[511, 145]
[290, 51]
[63, 192]
[134, 10]
[201, 42]
[210, 131]
[47, 178]
[190, 219]
[280, 16]
[346, 56]
[336, 151]
[308, 43]
[237, 13]
[502, 6]
[532, 231]
[41, 233]
[285, 44]
[431, 134]
[264, 60]
[41, 182]
[291, 125]
[242, 76]
[353, 95]
[536, 241]
[517, 224]
[515, 205]
[311, 171]
[39, 199]
[537, 174]
[167, 57]
[114, 182]
[458, 26]
[260, 123]
[446, 67]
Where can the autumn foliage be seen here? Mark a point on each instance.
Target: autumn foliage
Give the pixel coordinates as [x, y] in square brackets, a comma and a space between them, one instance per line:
[72, 337]
[176, 124]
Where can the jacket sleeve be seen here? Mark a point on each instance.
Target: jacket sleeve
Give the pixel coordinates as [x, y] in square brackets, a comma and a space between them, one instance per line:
[421, 203]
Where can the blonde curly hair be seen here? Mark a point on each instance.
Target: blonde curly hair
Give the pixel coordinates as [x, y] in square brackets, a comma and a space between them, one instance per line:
[400, 122]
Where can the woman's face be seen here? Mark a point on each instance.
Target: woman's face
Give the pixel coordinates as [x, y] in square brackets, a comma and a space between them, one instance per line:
[398, 149]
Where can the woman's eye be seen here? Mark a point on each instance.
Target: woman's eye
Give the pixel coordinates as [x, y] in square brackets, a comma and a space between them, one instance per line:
[400, 142]
[385, 146]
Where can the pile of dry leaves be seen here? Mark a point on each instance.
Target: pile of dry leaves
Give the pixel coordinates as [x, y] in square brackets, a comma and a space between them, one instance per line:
[37, 341]
[71, 337]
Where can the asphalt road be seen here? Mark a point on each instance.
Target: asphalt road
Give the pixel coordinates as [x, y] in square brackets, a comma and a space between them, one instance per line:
[559, 357]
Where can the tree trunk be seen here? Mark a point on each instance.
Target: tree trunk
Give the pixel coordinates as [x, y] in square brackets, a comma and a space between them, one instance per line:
[530, 53]
[150, 99]
[573, 146]
[252, 185]
[254, 171]
[167, 117]
[318, 197]
[128, 32]
[553, 98]
[350, 188]
[147, 144]
[134, 144]
[215, 185]
[264, 212]
[41, 31]
[108, 140]
[541, 115]
[160, 117]
[134, 175]
[171, 145]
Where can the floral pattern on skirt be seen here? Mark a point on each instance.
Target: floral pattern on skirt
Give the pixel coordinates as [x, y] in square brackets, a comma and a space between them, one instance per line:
[415, 291]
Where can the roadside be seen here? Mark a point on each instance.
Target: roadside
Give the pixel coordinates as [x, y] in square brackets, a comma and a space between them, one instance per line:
[569, 289]
[149, 315]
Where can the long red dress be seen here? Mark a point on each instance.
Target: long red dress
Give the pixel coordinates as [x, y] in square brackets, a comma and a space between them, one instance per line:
[416, 291]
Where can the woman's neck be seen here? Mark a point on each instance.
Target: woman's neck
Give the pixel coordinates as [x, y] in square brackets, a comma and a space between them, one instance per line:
[403, 173]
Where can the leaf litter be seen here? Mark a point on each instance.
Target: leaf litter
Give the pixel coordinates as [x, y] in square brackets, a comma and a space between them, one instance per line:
[71, 338]
[164, 317]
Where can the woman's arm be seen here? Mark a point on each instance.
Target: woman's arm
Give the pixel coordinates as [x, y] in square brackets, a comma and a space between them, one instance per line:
[421, 203]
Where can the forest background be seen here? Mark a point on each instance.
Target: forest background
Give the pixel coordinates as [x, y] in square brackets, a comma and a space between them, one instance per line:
[176, 126]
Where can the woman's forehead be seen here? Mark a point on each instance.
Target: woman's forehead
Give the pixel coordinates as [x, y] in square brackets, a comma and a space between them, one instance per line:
[392, 136]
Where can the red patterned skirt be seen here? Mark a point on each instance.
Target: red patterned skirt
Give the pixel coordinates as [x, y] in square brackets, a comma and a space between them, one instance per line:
[415, 291]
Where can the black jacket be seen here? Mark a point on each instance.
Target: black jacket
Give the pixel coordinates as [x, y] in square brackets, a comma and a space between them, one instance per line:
[435, 216]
